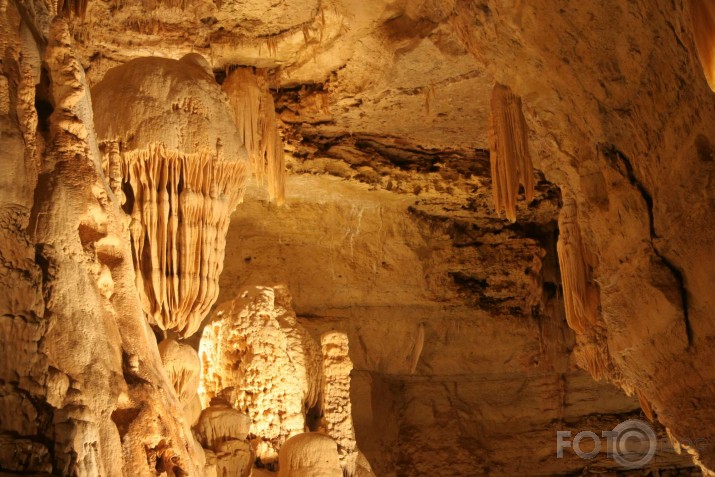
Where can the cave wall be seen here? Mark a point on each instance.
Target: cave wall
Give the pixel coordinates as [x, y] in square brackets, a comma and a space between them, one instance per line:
[389, 231]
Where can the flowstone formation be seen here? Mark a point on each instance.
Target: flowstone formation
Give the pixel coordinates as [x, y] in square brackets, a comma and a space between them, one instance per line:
[257, 358]
[174, 155]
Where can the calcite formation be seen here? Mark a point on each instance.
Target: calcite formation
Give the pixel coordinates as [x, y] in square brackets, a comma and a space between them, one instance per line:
[183, 366]
[255, 114]
[309, 455]
[469, 340]
[575, 263]
[223, 431]
[337, 410]
[166, 126]
[509, 151]
[702, 14]
[256, 357]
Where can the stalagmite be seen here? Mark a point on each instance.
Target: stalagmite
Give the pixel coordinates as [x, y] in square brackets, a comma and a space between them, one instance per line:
[309, 455]
[580, 293]
[219, 423]
[702, 13]
[509, 151]
[183, 366]
[337, 408]
[254, 112]
[256, 357]
[167, 126]
[223, 430]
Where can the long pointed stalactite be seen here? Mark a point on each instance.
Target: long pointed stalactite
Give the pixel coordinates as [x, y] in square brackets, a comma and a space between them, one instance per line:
[254, 111]
[509, 151]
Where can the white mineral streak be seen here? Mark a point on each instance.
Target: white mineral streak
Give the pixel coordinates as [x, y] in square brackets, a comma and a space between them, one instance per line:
[337, 408]
[166, 125]
[509, 151]
[309, 455]
[256, 357]
[254, 110]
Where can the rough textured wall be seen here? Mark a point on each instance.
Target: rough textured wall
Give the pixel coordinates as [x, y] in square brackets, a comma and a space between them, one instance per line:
[86, 367]
[258, 359]
[454, 316]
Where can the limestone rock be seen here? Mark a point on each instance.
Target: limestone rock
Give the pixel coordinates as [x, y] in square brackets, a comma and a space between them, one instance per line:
[167, 127]
[184, 368]
[466, 356]
[257, 357]
[309, 455]
[220, 423]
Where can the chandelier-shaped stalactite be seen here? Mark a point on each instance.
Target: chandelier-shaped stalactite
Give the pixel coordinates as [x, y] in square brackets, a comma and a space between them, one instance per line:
[172, 151]
[509, 151]
[254, 111]
[702, 13]
[180, 216]
[581, 295]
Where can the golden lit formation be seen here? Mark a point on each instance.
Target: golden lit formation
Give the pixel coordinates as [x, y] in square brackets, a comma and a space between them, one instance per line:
[337, 238]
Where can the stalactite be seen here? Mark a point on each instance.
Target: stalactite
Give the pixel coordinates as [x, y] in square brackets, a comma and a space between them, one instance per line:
[254, 112]
[337, 408]
[169, 142]
[580, 294]
[592, 356]
[645, 405]
[702, 13]
[181, 209]
[417, 348]
[509, 151]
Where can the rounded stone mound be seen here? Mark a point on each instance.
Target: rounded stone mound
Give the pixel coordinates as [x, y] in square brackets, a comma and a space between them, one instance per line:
[310, 454]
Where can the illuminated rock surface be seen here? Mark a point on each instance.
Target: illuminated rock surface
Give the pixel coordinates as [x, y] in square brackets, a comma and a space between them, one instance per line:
[472, 339]
[258, 359]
